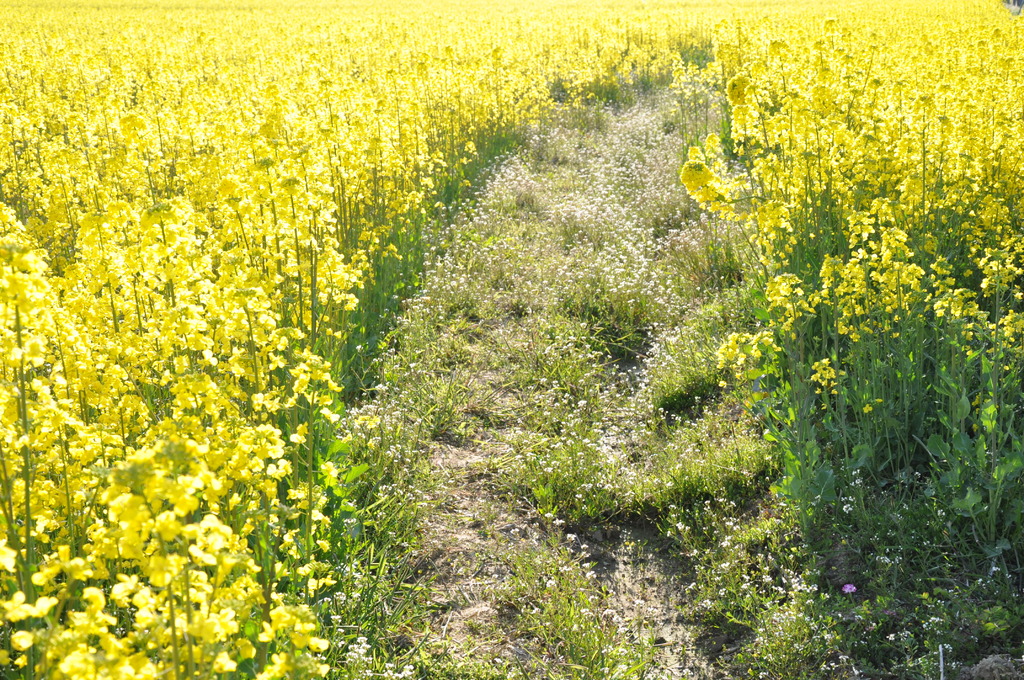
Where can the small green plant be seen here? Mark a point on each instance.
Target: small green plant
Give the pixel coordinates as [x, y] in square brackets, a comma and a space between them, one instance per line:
[746, 566]
[578, 636]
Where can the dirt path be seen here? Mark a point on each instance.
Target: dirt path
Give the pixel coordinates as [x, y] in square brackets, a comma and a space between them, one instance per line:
[528, 361]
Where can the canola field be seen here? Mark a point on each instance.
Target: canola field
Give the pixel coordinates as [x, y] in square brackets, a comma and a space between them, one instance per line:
[203, 205]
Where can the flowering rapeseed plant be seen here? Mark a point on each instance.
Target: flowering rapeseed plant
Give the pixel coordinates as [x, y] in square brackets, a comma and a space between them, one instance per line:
[884, 148]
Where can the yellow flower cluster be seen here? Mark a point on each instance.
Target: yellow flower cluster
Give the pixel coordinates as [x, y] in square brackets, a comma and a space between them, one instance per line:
[193, 201]
[702, 174]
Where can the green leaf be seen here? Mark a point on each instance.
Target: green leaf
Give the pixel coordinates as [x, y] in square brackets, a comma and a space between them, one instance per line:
[861, 456]
[937, 447]
[966, 506]
[825, 485]
[1008, 468]
[994, 551]
[340, 448]
[989, 416]
[962, 408]
[356, 472]
[962, 444]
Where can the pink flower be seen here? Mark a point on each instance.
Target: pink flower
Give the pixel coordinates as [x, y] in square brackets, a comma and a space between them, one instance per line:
[849, 588]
